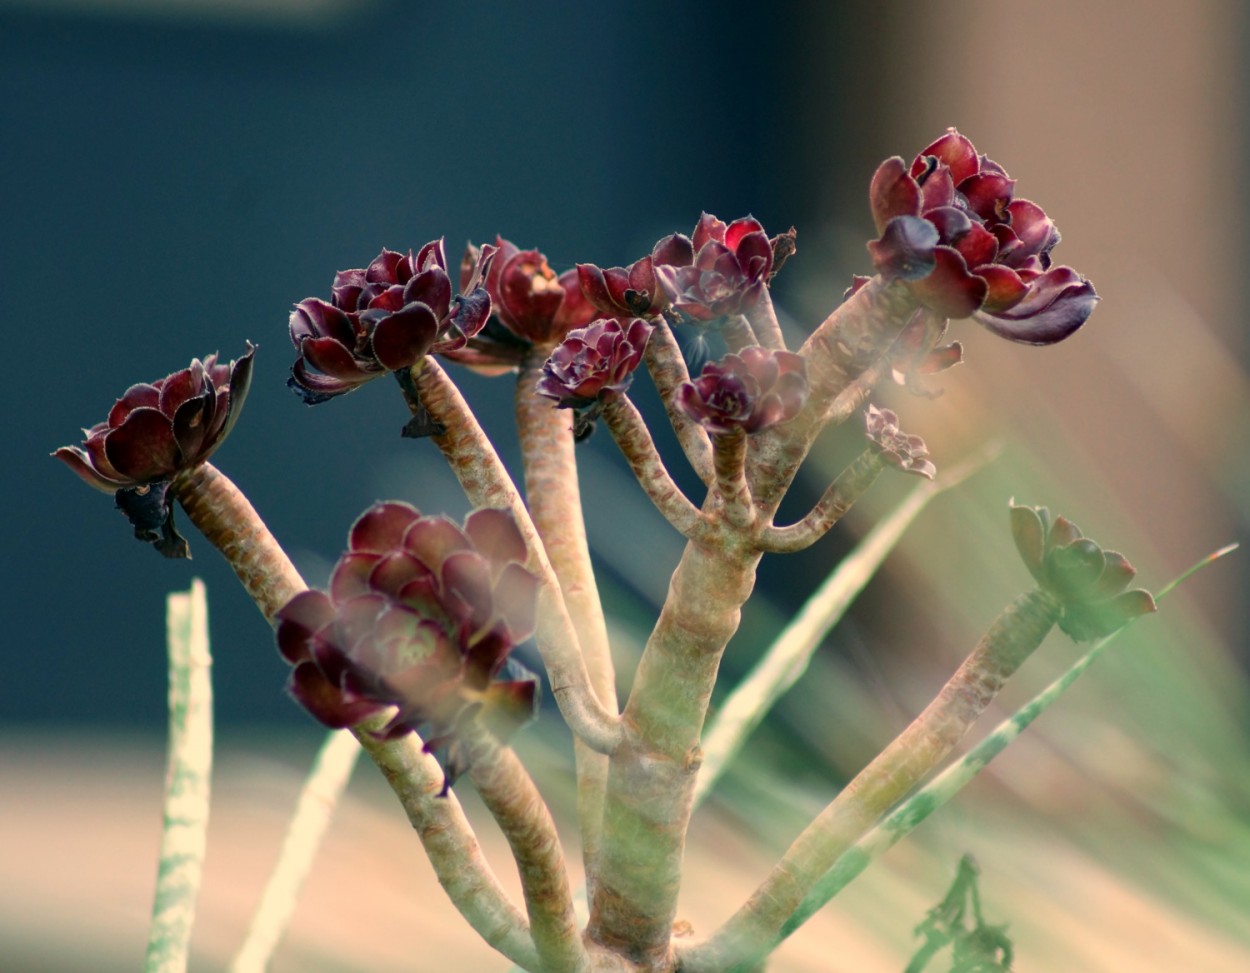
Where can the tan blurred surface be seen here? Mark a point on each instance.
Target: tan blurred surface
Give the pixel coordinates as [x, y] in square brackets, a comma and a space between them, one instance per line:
[79, 833]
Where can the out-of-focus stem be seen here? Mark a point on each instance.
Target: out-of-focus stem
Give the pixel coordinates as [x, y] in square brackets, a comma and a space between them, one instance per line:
[317, 800]
[668, 371]
[837, 499]
[187, 779]
[554, 495]
[752, 931]
[223, 515]
[450, 843]
[486, 483]
[636, 445]
[511, 797]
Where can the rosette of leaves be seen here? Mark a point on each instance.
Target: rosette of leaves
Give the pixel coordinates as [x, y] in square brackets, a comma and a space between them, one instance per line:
[154, 432]
[532, 305]
[901, 450]
[951, 226]
[593, 364]
[748, 391]
[384, 318]
[729, 268]
[1092, 584]
[420, 615]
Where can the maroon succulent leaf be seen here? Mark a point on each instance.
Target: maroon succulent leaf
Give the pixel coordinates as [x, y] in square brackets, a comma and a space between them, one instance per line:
[748, 391]
[991, 257]
[421, 615]
[384, 318]
[154, 432]
[1089, 581]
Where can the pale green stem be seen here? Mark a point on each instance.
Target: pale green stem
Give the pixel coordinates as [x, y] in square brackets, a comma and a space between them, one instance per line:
[317, 801]
[903, 819]
[187, 781]
[486, 483]
[555, 505]
[508, 792]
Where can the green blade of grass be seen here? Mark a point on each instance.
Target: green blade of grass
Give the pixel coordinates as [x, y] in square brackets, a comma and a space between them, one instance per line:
[187, 776]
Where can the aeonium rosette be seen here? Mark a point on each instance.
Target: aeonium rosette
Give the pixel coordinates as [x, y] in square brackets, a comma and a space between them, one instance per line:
[533, 306]
[421, 616]
[1090, 582]
[726, 274]
[155, 431]
[384, 318]
[748, 391]
[952, 227]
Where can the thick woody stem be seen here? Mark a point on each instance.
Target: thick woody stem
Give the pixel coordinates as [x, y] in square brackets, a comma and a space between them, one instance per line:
[763, 319]
[451, 846]
[837, 499]
[218, 508]
[651, 783]
[913, 754]
[853, 341]
[668, 371]
[509, 794]
[636, 445]
[486, 483]
[729, 453]
[223, 515]
[551, 487]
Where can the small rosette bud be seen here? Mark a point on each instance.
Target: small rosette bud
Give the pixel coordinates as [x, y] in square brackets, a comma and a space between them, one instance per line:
[727, 272]
[420, 615]
[532, 305]
[594, 362]
[899, 449]
[748, 391]
[952, 228]
[155, 431]
[1090, 582]
[384, 318]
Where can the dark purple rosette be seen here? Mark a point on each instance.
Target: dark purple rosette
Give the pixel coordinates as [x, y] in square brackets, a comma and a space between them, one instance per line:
[1090, 582]
[533, 306]
[421, 616]
[952, 228]
[154, 432]
[727, 272]
[899, 449]
[594, 362]
[384, 318]
[748, 391]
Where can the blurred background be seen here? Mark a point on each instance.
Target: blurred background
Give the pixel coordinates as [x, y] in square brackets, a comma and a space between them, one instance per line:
[187, 171]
